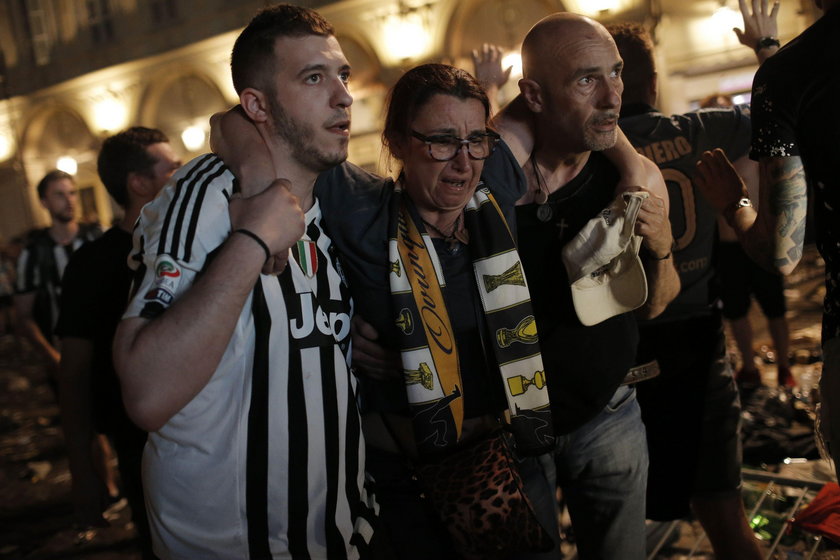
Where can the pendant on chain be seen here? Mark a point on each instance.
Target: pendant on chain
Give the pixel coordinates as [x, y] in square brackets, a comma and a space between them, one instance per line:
[544, 213]
[544, 210]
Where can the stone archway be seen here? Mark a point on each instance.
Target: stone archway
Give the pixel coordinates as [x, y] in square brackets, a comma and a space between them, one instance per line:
[500, 22]
[57, 131]
[180, 100]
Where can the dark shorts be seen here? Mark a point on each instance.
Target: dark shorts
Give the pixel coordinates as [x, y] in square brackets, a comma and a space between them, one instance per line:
[692, 414]
[741, 277]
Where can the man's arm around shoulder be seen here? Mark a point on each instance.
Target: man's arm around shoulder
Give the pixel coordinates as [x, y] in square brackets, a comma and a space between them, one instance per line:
[515, 123]
[655, 228]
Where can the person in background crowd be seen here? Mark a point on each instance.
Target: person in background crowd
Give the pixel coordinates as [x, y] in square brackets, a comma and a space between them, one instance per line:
[41, 265]
[796, 140]
[9, 253]
[692, 409]
[740, 277]
[134, 165]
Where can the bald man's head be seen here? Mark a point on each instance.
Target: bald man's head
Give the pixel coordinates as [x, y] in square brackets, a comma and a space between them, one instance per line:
[551, 38]
[572, 79]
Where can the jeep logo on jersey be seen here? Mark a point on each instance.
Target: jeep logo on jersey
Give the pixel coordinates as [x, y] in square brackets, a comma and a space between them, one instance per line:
[314, 323]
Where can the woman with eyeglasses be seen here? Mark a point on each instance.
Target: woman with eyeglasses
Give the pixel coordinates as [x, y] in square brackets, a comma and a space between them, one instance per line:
[435, 276]
[418, 252]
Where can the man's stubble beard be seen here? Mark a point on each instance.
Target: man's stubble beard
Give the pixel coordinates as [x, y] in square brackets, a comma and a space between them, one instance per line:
[586, 139]
[599, 141]
[301, 139]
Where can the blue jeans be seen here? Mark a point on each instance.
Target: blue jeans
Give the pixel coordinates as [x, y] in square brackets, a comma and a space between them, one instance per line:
[602, 470]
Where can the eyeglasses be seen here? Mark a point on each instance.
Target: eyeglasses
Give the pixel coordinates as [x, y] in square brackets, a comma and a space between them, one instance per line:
[444, 147]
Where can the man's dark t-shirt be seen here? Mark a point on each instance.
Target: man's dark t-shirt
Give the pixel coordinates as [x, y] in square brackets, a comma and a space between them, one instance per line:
[94, 295]
[676, 143]
[584, 365]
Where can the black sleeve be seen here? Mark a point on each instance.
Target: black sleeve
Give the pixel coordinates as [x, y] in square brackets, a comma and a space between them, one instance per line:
[506, 180]
[729, 129]
[775, 101]
[504, 177]
[347, 187]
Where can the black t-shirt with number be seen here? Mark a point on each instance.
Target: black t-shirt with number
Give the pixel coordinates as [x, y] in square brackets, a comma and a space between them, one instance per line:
[676, 143]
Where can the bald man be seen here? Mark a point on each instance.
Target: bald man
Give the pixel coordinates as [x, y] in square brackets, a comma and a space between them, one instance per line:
[568, 107]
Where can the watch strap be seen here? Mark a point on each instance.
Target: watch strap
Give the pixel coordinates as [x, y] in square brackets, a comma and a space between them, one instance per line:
[767, 42]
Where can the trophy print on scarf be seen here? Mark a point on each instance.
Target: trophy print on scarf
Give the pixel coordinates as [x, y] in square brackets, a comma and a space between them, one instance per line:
[428, 349]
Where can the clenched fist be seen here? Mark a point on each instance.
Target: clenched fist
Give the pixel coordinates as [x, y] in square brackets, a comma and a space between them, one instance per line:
[275, 216]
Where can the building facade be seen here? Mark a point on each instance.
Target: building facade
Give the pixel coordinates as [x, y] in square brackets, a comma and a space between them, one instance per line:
[75, 71]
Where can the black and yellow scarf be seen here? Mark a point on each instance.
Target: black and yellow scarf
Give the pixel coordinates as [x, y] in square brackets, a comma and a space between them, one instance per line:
[427, 343]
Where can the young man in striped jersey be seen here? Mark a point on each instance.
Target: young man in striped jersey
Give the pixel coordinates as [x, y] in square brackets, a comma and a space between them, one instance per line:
[41, 265]
[239, 373]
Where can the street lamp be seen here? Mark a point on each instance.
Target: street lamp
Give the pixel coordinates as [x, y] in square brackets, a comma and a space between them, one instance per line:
[193, 138]
[68, 164]
[405, 32]
[7, 145]
[109, 114]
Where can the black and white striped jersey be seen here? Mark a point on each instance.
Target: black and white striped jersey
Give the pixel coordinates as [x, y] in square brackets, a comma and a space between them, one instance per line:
[267, 461]
[40, 267]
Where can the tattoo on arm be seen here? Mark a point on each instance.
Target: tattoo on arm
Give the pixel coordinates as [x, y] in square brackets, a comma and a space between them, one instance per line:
[789, 204]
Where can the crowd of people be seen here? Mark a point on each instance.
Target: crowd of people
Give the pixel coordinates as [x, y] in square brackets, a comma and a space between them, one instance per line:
[292, 357]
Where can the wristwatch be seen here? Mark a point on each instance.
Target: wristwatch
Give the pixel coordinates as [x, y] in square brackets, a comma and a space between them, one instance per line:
[766, 42]
[742, 203]
[729, 212]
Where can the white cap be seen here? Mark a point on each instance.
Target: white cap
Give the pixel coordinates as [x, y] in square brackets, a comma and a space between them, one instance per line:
[602, 261]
